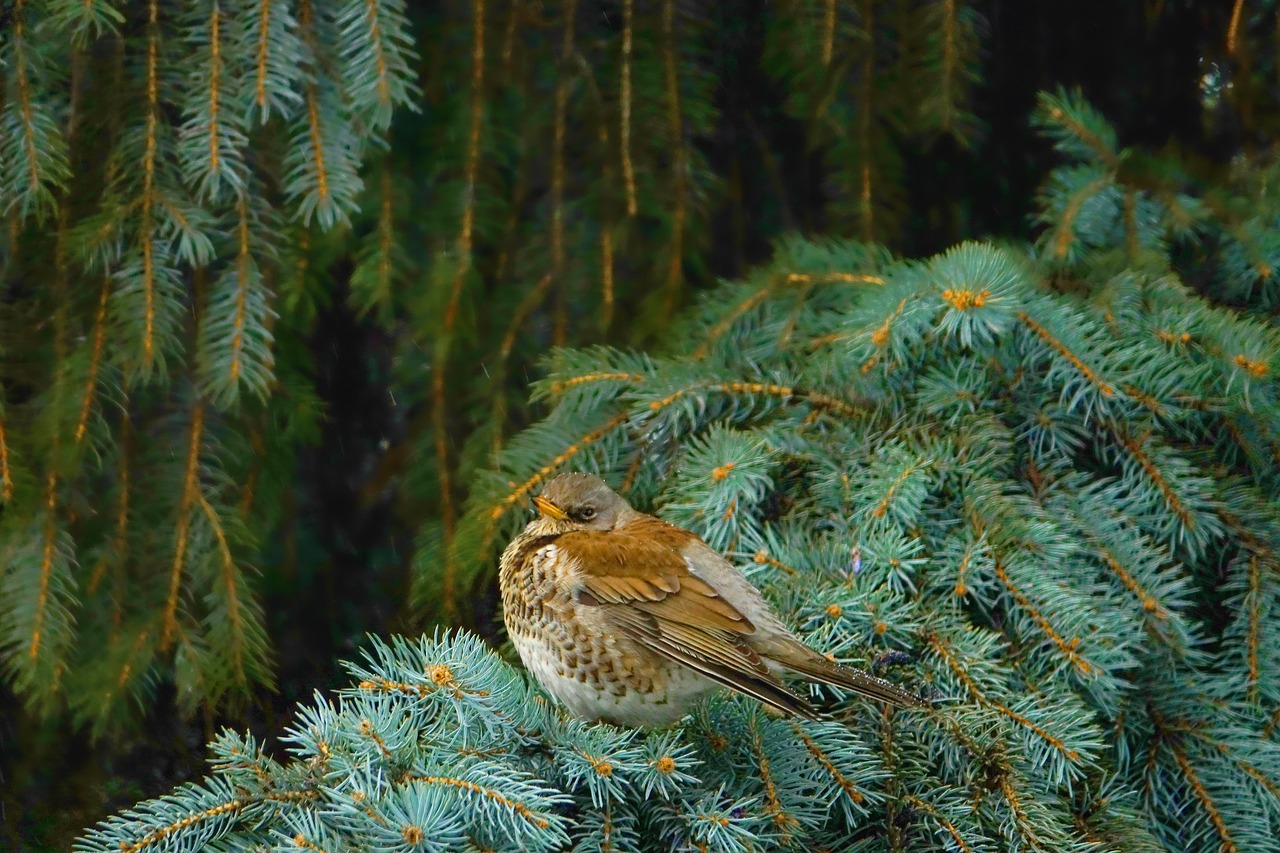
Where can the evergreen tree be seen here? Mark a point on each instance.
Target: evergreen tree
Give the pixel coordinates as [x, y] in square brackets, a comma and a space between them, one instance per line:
[185, 179]
[1039, 482]
[273, 281]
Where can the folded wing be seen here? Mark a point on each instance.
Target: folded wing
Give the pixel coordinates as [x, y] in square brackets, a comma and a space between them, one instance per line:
[642, 584]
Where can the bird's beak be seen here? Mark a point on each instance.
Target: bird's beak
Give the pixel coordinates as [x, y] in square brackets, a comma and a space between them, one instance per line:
[549, 509]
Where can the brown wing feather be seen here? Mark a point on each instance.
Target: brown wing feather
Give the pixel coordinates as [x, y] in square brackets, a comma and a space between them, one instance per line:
[640, 575]
[759, 683]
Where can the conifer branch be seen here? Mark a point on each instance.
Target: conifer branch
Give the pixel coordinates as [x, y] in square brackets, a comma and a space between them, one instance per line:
[865, 111]
[1171, 497]
[383, 86]
[189, 496]
[1068, 648]
[606, 278]
[726, 322]
[1233, 28]
[1072, 116]
[1066, 225]
[628, 169]
[1257, 775]
[1061, 349]
[95, 360]
[679, 167]
[1253, 602]
[1026, 828]
[1148, 602]
[782, 821]
[242, 290]
[562, 385]
[605, 223]
[557, 172]
[514, 17]
[850, 790]
[48, 555]
[526, 307]
[148, 185]
[438, 399]
[263, 51]
[232, 594]
[215, 70]
[159, 834]
[961, 673]
[520, 809]
[925, 807]
[126, 671]
[6, 475]
[317, 146]
[828, 32]
[1197, 787]
[825, 402]
[24, 94]
[119, 540]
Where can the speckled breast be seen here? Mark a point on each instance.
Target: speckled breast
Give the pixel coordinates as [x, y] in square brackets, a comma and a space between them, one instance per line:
[572, 651]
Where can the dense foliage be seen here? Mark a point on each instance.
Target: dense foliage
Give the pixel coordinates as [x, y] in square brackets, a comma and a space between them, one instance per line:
[275, 276]
[1038, 481]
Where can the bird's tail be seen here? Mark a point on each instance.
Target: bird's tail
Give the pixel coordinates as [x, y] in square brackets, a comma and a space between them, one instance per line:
[805, 661]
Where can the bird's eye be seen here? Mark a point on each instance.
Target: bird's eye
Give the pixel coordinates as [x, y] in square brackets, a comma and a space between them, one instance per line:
[586, 513]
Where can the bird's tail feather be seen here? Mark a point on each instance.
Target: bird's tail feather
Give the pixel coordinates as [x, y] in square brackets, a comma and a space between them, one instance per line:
[814, 666]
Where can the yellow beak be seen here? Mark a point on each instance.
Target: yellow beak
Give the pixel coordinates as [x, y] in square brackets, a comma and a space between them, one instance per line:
[549, 509]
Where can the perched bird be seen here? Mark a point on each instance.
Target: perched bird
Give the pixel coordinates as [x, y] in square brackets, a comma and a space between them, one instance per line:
[628, 619]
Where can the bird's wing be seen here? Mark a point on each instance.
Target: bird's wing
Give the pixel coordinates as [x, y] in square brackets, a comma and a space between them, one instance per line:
[639, 578]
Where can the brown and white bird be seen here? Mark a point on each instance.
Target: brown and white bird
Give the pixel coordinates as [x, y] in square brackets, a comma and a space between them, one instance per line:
[628, 619]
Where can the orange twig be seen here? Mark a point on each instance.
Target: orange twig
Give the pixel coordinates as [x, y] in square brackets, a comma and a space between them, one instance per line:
[375, 38]
[1255, 622]
[1153, 473]
[190, 487]
[1068, 648]
[1057, 346]
[850, 790]
[773, 804]
[47, 557]
[1228, 844]
[563, 385]
[148, 183]
[264, 26]
[829, 32]
[675, 264]
[215, 69]
[937, 815]
[229, 582]
[95, 360]
[447, 511]
[496, 796]
[1066, 236]
[970, 685]
[628, 170]
[1233, 28]
[242, 288]
[1149, 604]
[6, 477]
[24, 95]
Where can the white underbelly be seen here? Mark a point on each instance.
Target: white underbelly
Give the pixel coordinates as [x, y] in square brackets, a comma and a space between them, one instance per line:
[671, 697]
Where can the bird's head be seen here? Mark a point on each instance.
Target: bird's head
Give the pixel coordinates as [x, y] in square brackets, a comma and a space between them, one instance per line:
[580, 502]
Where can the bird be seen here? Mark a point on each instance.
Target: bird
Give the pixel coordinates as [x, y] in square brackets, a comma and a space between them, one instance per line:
[627, 619]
